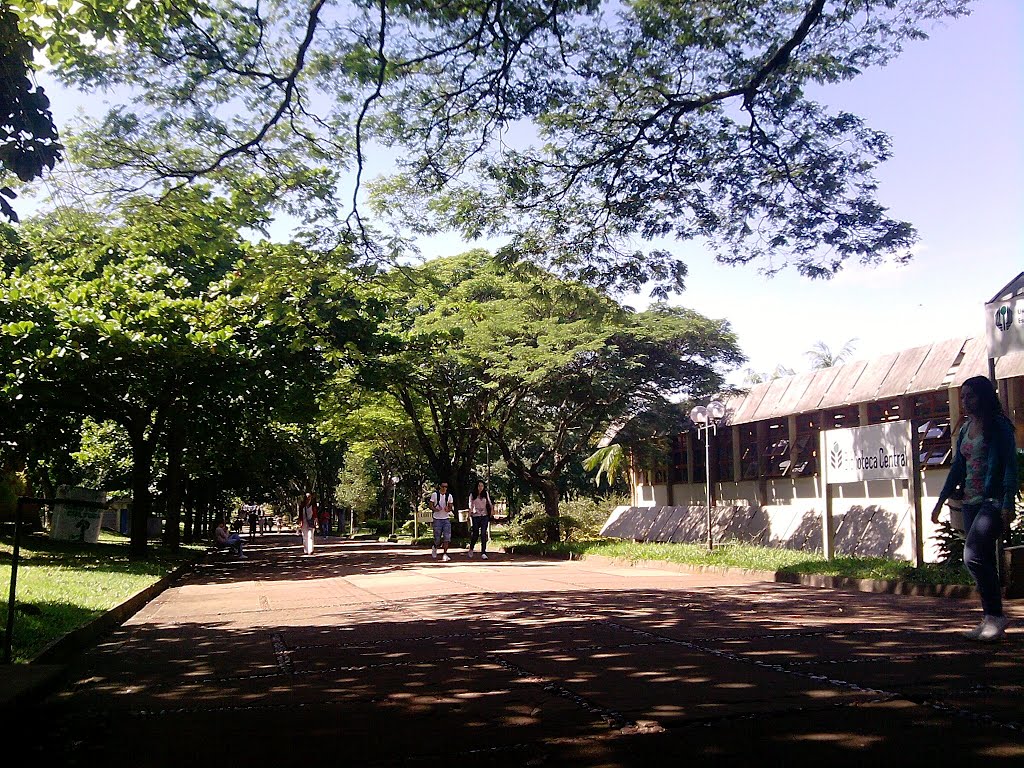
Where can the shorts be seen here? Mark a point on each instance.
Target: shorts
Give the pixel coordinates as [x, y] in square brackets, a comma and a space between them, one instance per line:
[442, 529]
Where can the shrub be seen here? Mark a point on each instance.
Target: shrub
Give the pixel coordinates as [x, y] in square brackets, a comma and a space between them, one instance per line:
[578, 520]
[379, 527]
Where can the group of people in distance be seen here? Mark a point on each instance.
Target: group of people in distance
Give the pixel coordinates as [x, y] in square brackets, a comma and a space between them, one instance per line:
[441, 503]
[481, 512]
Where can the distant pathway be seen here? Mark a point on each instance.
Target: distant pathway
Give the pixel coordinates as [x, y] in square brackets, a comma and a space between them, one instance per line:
[374, 654]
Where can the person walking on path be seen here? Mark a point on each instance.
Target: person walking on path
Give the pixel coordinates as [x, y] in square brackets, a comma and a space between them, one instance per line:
[309, 512]
[223, 538]
[480, 511]
[441, 504]
[985, 466]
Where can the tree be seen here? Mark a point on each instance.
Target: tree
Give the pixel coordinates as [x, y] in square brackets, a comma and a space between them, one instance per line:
[823, 357]
[139, 324]
[651, 118]
[538, 365]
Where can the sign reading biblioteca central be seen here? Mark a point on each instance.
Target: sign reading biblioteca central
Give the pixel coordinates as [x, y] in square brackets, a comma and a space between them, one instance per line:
[878, 452]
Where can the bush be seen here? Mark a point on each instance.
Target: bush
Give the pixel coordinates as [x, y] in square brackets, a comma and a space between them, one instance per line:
[379, 527]
[578, 520]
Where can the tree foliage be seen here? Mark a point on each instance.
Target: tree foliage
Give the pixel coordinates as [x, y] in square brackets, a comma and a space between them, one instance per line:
[537, 365]
[568, 127]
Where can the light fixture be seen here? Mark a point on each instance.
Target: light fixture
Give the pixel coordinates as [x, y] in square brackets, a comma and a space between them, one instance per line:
[706, 418]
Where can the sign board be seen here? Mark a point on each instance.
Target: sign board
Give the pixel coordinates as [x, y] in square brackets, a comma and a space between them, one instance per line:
[878, 452]
[72, 522]
[1004, 319]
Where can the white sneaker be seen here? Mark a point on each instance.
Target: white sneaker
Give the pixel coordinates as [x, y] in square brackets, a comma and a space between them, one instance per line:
[445, 558]
[483, 555]
[243, 557]
[972, 634]
[994, 629]
[470, 554]
[433, 552]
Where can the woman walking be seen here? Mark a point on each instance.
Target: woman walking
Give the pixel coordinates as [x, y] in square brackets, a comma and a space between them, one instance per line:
[480, 511]
[308, 515]
[985, 466]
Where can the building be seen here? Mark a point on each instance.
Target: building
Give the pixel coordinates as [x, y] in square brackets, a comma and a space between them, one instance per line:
[766, 484]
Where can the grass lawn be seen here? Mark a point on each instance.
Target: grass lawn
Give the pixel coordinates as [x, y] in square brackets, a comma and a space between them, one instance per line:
[64, 585]
[758, 558]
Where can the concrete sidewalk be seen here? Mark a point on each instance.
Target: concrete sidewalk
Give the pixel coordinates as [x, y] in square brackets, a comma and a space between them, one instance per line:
[373, 654]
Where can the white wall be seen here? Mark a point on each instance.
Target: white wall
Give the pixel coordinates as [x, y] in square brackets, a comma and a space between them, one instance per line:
[871, 518]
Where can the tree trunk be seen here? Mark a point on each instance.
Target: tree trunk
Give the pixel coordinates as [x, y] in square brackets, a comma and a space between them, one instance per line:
[549, 493]
[189, 515]
[142, 473]
[175, 480]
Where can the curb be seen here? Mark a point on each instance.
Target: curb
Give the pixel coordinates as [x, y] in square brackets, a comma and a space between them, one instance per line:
[878, 586]
[60, 650]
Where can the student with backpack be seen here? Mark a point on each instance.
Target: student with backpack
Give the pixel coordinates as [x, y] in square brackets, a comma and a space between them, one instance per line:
[441, 504]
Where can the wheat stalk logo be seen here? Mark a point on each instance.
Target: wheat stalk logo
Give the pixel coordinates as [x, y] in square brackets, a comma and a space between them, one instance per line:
[835, 457]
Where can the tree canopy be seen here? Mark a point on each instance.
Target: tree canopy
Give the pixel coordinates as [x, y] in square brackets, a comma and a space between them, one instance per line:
[567, 127]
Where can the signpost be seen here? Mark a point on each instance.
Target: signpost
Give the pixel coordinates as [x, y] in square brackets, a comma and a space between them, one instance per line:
[878, 452]
[16, 554]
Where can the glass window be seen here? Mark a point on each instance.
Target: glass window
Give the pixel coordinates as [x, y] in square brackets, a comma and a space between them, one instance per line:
[748, 452]
[933, 430]
[677, 460]
[805, 461]
[775, 448]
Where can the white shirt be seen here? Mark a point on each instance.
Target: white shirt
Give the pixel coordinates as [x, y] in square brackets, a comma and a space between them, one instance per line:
[442, 507]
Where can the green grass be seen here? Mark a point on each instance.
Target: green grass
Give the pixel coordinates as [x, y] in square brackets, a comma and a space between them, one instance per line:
[756, 558]
[65, 585]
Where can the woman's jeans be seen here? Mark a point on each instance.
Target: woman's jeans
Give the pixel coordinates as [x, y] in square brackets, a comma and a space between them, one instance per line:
[983, 524]
[480, 524]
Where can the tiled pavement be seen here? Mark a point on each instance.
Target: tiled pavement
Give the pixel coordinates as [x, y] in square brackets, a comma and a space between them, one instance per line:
[373, 654]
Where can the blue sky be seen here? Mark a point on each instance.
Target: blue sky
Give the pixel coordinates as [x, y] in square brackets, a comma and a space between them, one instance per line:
[954, 108]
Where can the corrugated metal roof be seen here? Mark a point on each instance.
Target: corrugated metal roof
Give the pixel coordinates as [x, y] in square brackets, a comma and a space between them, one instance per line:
[794, 392]
[769, 406]
[975, 362]
[866, 388]
[900, 378]
[936, 366]
[919, 369]
[745, 410]
[838, 391]
[1009, 366]
[820, 383]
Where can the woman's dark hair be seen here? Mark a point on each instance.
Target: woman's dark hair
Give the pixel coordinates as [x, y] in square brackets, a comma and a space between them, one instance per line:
[989, 407]
[475, 494]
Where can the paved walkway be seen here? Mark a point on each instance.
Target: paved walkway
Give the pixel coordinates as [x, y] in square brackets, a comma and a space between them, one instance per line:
[372, 654]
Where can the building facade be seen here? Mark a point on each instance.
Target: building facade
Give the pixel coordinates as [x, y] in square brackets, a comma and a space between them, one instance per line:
[764, 458]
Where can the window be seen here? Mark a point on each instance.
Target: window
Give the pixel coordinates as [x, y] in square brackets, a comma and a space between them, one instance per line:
[805, 461]
[932, 429]
[840, 418]
[699, 475]
[748, 452]
[775, 448]
[884, 411]
[677, 460]
[721, 454]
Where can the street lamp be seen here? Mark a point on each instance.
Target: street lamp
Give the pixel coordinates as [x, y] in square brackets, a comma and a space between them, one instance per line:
[394, 487]
[706, 417]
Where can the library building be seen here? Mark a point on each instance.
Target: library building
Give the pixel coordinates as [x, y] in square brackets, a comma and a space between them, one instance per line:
[846, 460]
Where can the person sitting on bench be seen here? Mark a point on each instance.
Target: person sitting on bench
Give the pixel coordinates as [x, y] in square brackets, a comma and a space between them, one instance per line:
[225, 540]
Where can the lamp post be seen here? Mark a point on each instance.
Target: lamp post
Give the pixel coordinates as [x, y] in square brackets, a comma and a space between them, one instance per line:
[706, 417]
[394, 488]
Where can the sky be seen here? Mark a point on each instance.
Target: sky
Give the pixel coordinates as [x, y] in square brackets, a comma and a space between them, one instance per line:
[953, 106]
